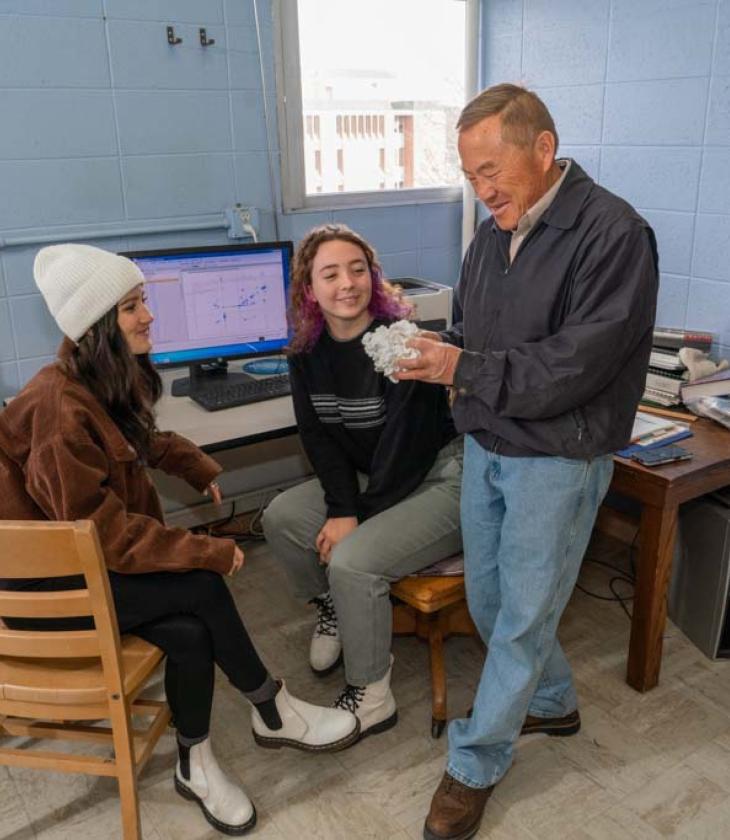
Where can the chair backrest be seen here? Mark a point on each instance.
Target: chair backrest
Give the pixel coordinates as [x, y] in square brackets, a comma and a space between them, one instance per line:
[32, 549]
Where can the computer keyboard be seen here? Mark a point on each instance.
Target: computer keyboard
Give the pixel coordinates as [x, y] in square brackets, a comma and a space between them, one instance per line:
[223, 395]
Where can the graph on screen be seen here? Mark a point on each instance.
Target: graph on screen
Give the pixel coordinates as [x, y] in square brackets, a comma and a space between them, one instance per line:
[228, 304]
[216, 303]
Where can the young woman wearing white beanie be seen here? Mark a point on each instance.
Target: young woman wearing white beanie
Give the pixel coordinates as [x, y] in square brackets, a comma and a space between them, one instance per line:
[75, 444]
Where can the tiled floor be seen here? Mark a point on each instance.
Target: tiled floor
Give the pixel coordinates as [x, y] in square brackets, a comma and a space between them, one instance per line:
[643, 766]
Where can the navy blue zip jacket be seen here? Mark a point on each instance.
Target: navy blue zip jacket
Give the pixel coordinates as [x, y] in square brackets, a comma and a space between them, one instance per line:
[557, 343]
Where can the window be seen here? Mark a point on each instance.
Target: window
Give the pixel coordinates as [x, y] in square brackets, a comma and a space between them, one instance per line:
[397, 102]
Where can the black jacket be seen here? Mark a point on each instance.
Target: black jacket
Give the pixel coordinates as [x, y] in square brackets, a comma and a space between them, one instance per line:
[352, 419]
[557, 343]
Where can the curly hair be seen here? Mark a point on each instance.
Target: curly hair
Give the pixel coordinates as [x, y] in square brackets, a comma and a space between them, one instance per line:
[305, 315]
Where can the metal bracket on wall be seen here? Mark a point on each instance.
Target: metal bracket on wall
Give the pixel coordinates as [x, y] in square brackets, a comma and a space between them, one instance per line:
[205, 41]
[172, 39]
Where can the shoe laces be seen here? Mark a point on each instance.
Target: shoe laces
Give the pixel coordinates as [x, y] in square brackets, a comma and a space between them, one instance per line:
[326, 616]
[350, 698]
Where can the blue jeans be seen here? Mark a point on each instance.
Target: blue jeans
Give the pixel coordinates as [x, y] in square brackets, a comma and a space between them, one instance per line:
[526, 523]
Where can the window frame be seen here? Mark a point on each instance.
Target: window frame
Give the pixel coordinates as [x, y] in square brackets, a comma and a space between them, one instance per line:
[291, 132]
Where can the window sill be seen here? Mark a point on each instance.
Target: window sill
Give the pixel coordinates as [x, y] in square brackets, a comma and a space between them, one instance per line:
[377, 198]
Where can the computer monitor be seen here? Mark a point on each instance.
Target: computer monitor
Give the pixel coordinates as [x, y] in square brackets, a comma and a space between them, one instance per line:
[212, 304]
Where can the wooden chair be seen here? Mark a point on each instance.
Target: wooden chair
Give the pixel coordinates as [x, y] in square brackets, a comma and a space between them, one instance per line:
[50, 681]
[433, 607]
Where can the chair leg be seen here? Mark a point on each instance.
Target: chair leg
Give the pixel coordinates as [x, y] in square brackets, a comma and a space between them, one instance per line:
[131, 825]
[438, 676]
[126, 771]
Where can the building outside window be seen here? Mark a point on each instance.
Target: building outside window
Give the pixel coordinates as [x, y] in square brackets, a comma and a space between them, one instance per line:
[391, 110]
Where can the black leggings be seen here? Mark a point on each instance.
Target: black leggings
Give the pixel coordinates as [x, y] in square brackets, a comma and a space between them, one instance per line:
[191, 616]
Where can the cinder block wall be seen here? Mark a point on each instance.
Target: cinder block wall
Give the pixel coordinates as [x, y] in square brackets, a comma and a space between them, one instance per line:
[104, 123]
[640, 91]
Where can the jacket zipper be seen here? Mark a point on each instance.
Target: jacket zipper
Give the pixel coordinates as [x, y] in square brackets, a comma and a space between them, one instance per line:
[580, 424]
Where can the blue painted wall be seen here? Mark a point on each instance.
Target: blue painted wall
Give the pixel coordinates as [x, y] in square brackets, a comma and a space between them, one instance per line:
[640, 93]
[104, 123]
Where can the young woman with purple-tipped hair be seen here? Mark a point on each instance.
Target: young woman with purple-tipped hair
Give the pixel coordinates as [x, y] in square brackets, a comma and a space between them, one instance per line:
[385, 502]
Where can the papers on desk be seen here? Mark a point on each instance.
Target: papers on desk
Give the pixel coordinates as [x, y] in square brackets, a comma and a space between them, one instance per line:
[650, 431]
[647, 426]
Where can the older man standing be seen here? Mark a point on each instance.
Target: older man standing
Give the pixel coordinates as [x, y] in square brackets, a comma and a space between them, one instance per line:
[548, 355]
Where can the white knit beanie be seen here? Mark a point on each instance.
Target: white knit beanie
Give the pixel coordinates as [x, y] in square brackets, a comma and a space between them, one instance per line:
[81, 283]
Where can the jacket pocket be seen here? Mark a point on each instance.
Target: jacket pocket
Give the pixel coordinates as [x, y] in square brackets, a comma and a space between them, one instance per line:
[582, 430]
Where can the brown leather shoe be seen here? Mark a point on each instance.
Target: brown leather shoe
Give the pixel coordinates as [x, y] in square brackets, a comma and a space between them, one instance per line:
[456, 810]
[559, 726]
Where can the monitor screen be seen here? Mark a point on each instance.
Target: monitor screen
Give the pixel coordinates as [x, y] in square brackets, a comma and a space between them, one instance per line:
[220, 302]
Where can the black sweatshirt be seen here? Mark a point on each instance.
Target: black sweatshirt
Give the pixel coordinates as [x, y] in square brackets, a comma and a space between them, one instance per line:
[352, 419]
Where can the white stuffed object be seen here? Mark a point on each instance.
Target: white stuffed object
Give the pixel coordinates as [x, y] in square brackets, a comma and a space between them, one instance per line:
[699, 364]
[386, 345]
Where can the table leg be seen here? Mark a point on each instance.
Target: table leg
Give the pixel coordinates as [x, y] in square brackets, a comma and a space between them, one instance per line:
[656, 546]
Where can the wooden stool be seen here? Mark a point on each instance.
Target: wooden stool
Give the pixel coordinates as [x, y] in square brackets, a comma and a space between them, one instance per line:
[433, 607]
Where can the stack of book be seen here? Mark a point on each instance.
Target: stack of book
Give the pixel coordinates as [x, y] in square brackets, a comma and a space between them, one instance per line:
[666, 373]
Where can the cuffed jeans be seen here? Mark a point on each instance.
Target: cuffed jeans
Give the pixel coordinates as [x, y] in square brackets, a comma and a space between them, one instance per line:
[526, 524]
[414, 533]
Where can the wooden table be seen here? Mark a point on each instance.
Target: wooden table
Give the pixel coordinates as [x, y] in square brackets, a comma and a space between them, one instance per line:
[661, 490]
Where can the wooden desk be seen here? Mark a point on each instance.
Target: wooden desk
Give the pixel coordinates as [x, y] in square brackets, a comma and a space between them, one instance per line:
[661, 490]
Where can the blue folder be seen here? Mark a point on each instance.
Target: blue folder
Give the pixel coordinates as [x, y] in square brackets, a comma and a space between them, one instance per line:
[628, 451]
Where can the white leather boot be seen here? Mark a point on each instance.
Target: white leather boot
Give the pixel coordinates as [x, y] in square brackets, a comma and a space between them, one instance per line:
[373, 704]
[305, 726]
[325, 650]
[199, 778]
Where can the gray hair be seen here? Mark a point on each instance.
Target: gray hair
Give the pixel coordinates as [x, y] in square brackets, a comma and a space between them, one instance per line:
[524, 115]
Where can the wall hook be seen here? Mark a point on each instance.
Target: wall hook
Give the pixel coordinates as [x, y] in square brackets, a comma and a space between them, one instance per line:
[172, 39]
[205, 41]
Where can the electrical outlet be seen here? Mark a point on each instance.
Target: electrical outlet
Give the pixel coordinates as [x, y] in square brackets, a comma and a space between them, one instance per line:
[238, 218]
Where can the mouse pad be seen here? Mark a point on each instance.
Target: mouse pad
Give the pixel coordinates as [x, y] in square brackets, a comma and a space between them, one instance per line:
[266, 367]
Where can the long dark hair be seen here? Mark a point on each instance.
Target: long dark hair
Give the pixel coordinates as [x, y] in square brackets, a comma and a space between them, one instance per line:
[305, 316]
[126, 385]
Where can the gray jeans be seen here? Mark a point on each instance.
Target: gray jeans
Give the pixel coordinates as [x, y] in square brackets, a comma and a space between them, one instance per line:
[416, 532]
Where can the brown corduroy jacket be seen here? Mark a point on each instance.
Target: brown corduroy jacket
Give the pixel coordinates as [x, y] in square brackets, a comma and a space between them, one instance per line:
[63, 458]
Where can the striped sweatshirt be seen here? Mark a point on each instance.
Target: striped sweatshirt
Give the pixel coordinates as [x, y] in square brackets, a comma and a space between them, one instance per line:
[352, 419]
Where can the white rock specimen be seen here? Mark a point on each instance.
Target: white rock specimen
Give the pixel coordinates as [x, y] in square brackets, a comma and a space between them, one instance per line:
[387, 344]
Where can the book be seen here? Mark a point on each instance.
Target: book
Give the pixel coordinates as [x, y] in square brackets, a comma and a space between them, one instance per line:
[717, 385]
[648, 425]
[648, 431]
[666, 359]
[664, 380]
[674, 338]
[655, 396]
